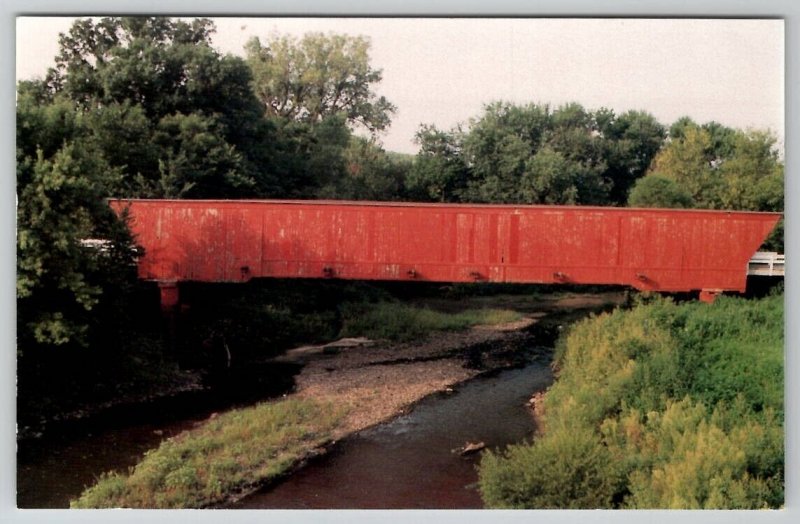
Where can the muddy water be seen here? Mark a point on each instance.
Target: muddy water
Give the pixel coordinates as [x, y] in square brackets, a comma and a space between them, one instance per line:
[54, 469]
[409, 462]
[50, 474]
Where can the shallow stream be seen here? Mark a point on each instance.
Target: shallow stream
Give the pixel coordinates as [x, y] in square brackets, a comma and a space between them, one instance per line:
[413, 461]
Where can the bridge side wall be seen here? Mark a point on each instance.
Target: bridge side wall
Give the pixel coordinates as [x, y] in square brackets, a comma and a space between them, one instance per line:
[234, 241]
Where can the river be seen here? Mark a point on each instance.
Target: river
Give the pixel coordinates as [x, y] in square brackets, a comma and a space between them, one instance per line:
[410, 462]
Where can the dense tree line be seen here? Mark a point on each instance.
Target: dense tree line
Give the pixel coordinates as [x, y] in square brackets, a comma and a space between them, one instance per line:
[146, 107]
[711, 166]
[533, 154]
[715, 167]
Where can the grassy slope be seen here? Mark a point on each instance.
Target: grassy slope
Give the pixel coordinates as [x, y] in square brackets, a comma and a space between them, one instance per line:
[662, 406]
[228, 454]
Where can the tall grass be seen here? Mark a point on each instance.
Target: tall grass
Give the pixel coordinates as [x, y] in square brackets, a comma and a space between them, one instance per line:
[229, 454]
[398, 321]
[680, 406]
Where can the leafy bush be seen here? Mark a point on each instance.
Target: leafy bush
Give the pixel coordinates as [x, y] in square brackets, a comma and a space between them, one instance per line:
[680, 406]
[687, 459]
[570, 469]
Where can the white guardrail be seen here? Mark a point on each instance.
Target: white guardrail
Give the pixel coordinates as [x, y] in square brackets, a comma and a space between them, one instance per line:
[766, 264]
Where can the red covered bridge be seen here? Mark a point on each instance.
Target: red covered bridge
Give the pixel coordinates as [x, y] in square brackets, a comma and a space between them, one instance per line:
[649, 249]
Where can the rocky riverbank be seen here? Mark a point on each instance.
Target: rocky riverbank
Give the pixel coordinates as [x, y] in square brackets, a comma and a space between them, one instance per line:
[377, 380]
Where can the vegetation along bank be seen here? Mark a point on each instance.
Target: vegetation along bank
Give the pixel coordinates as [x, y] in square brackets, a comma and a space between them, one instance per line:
[662, 406]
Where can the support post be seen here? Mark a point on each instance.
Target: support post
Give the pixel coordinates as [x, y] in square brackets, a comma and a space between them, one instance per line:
[170, 296]
[709, 295]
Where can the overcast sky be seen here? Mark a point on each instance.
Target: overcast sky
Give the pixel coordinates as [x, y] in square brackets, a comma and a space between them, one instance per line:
[442, 71]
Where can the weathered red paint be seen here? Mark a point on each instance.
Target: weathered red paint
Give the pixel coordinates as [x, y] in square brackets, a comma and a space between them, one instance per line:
[649, 249]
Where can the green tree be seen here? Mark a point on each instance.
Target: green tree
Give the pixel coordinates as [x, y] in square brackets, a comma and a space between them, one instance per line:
[317, 76]
[529, 155]
[689, 162]
[659, 191]
[195, 162]
[721, 137]
[439, 173]
[753, 178]
[490, 136]
[311, 156]
[719, 168]
[60, 278]
[43, 125]
[630, 142]
[133, 107]
[370, 173]
[133, 78]
[723, 168]
[511, 152]
[158, 63]
[571, 132]
[752, 173]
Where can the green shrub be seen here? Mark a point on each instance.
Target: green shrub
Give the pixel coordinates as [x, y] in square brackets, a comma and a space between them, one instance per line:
[687, 460]
[686, 402]
[569, 469]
